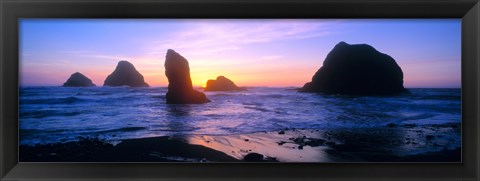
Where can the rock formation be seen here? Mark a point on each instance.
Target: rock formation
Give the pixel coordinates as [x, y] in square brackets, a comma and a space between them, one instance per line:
[78, 80]
[222, 84]
[357, 70]
[180, 89]
[125, 74]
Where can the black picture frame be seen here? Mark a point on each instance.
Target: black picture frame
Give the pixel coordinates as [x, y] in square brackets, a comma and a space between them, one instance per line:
[12, 10]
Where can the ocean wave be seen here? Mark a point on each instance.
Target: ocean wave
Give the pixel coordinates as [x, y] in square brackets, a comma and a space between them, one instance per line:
[101, 93]
[273, 96]
[131, 112]
[257, 108]
[221, 95]
[416, 116]
[442, 97]
[65, 100]
[124, 129]
[26, 132]
[162, 97]
[47, 113]
[175, 130]
[252, 104]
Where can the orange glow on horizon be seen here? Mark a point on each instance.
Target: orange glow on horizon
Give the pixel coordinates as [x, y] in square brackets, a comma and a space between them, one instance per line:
[263, 52]
[279, 75]
[241, 77]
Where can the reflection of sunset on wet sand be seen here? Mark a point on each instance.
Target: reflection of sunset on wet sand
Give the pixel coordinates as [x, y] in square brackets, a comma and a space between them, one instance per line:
[272, 145]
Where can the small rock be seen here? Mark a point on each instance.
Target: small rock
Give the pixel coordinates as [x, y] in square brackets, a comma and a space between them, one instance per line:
[391, 125]
[78, 80]
[271, 159]
[330, 143]
[222, 84]
[125, 74]
[409, 125]
[253, 157]
[281, 132]
[430, 137]
[315, 142]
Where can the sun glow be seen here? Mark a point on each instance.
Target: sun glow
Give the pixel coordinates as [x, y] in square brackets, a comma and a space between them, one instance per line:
[248, 52]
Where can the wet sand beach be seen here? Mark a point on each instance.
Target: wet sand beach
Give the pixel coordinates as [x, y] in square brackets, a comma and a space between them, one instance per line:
[392, 143]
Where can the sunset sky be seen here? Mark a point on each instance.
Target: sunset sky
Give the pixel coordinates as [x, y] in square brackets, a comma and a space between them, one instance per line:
[249, 52]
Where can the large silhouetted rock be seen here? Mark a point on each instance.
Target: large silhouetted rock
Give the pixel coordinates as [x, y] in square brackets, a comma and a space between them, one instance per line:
[222, 84]
[180, 90]
[78, 80]
[125, 74]
[357, 70]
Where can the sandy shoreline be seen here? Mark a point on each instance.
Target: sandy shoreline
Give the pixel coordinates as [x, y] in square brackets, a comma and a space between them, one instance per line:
[406, 143]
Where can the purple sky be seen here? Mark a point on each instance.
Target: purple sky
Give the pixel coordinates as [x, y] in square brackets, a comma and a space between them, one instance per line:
[250, 52]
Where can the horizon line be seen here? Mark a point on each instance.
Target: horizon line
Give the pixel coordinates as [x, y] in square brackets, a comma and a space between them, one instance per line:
[166, 86]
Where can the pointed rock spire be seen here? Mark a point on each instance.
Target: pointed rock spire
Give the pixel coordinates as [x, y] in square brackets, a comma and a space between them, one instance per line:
[180, 89]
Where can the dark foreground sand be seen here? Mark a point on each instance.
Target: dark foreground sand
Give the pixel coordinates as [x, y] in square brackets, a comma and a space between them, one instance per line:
[407, 143]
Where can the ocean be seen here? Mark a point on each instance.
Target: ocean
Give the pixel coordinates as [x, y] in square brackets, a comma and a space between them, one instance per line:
[62, 114]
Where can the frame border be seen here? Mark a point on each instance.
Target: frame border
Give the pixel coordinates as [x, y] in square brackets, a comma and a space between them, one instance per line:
[12, 10]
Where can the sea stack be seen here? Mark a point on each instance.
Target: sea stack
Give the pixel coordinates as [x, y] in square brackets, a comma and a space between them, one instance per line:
[357, 70]
[222, 84]
[125, 74]
[180, 89]
[78, 80]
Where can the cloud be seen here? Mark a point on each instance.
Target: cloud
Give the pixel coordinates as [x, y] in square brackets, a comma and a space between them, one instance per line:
[207, 37]
[212, 36]
[271, 57]
[96, 55]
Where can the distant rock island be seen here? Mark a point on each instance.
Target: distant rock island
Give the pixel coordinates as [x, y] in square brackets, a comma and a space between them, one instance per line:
[125, 74]
[78, 80]
[180, 89]
[222, 84]
[357, 70]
